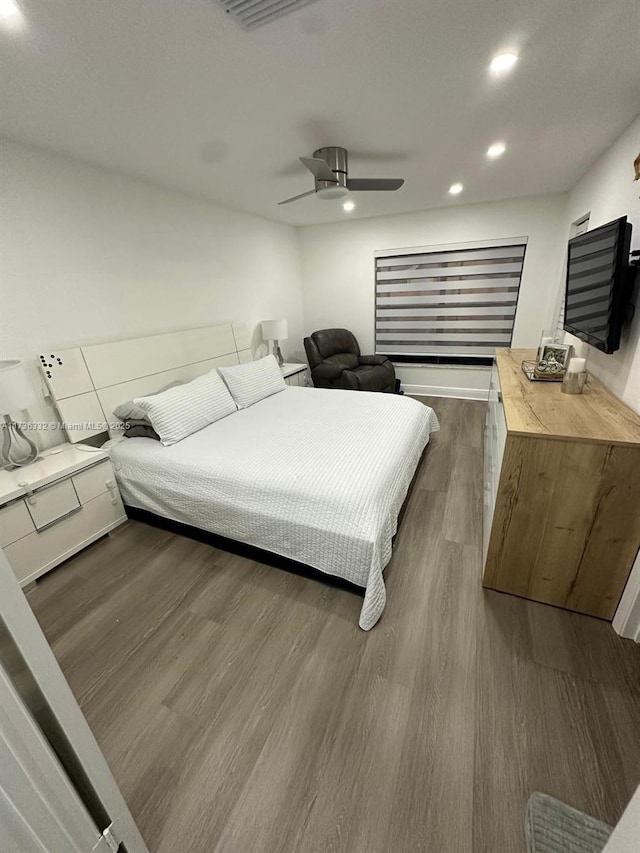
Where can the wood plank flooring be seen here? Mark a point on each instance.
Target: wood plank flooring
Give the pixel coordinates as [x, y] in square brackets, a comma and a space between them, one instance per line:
[242, 709]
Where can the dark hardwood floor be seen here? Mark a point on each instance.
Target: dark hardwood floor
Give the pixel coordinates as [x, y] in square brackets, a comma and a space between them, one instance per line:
[242, 709]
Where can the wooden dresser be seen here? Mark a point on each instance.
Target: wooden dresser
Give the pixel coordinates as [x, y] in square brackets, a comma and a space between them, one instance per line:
[561, 490]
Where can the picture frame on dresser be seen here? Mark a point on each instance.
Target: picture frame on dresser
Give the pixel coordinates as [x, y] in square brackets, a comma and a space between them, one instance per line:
[552, 361]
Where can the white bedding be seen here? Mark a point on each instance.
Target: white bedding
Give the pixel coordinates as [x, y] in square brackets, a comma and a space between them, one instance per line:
[313, 474]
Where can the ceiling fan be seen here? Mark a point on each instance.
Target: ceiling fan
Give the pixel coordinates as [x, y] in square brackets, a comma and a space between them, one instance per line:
[329, 167]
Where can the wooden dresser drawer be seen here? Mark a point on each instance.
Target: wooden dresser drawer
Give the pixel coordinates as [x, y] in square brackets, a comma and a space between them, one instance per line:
[94, 481]
[52, 503]
[36, 553]
[15, 522]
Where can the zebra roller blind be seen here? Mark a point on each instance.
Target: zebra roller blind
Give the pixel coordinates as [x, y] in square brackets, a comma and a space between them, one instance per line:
[448, 303]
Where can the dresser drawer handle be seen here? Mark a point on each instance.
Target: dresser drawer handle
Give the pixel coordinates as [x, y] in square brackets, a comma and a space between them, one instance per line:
[59, 519]
[29, 496]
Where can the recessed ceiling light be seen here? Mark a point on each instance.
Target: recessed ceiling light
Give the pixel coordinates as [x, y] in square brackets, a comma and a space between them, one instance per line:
[496, 150]
[455, 189]
[349, 206]
[10, 14]
[502, 63]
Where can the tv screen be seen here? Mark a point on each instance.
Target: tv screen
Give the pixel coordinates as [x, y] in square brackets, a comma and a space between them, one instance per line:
[597, 284]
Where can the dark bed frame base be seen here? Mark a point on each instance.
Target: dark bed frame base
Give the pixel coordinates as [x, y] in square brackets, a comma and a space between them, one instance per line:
[241, 548]
[259, 555]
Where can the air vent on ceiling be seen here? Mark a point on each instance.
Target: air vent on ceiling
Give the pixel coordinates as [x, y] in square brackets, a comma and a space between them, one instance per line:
[251, 14]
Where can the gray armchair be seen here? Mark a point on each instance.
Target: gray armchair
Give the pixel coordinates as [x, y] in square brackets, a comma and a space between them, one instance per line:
[335, 362]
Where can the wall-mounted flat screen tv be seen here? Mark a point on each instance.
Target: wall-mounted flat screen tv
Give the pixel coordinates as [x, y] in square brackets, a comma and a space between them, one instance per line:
[598, 284]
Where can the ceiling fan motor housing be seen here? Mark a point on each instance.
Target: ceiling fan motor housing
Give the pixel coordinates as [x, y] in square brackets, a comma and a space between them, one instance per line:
[336, 159]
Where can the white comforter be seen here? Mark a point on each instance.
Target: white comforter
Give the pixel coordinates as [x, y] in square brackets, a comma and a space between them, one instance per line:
[312, 474]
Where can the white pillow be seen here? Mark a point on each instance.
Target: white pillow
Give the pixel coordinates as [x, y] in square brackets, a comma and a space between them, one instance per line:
[180, 411]
[249, 383]
[130, 412]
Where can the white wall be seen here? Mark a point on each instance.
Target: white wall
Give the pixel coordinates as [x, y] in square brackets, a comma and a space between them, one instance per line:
[338, 272]
[607, 192]
[90, 255]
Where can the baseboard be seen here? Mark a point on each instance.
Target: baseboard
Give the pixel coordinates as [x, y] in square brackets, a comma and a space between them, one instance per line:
[442, 391]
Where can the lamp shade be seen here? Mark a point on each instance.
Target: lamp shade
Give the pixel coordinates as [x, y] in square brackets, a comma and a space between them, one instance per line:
[16, 392]
[275, 330]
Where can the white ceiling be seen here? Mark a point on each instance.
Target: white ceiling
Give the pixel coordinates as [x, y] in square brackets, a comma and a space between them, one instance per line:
[175, 92]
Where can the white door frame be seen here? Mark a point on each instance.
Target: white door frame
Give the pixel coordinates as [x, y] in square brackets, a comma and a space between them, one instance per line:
[40, 660]
[40, 809]
[626, 620]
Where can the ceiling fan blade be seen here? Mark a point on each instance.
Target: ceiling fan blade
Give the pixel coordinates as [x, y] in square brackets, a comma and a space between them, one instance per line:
[380, 184]
[319, 169]
[296, 197]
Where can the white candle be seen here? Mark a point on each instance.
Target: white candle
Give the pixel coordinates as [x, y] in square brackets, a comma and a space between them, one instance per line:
[577, 365]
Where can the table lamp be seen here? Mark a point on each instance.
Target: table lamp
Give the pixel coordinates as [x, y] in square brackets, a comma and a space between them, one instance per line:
[275, 330]
[15, 395]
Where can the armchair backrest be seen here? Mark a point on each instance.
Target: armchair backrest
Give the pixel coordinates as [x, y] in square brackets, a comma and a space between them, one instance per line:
[332, 345]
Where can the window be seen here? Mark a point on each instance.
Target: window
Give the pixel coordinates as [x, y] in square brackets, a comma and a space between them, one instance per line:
[448, 304]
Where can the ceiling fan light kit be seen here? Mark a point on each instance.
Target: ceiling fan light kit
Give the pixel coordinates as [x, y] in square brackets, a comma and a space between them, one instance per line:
[330, 169]
[332, 161]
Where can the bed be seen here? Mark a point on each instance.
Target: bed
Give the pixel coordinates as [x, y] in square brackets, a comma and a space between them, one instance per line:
[314, 475]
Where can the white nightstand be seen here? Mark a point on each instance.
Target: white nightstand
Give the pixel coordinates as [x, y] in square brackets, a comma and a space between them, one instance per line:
[294, 374]
[55, 507]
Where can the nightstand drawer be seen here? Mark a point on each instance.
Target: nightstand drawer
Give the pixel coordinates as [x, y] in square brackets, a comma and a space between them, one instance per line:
[52, 503]
[35, 554]
[94, 481]
[15, 522]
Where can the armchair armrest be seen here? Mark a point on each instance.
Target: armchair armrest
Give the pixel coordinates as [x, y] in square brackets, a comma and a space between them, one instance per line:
[372, 360]
[327, 371]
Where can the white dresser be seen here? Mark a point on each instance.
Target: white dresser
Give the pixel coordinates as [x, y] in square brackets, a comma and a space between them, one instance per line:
[55, 507]
[295, 374]
[495, 437]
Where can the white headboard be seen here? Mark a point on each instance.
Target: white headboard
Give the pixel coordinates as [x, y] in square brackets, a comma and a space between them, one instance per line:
[87, 383]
